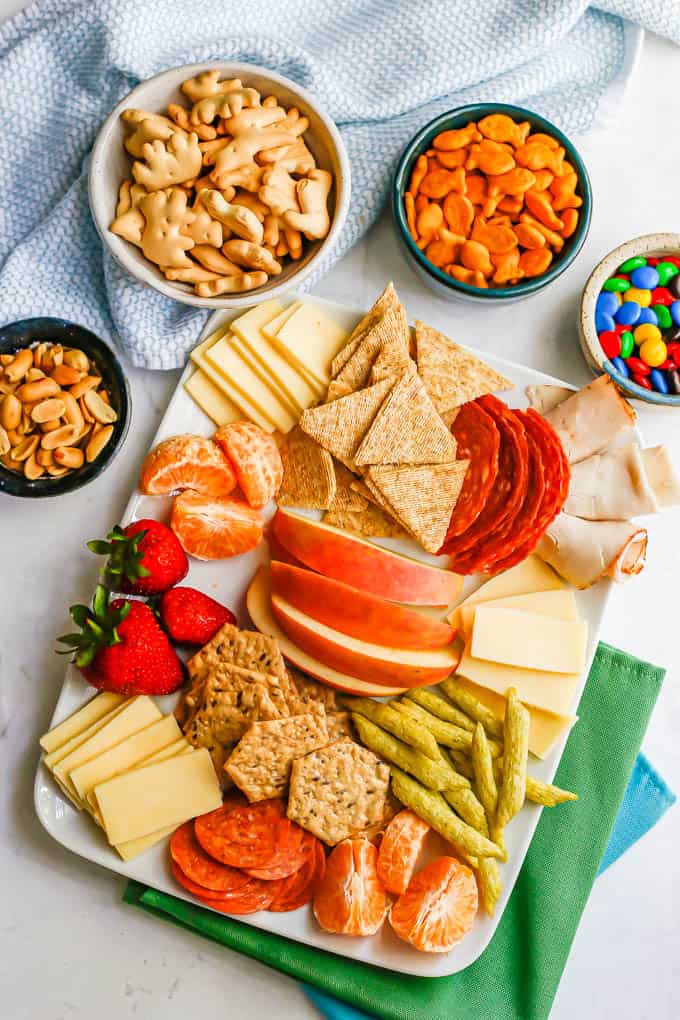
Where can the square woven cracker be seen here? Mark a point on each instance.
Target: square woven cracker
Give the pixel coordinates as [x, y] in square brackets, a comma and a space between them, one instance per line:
[388, 299]
[337, 790]
[423, 496]
[452, 375]
[341, 425]
[407, 430]
[391, 330]
[308, 473]
[260, 763]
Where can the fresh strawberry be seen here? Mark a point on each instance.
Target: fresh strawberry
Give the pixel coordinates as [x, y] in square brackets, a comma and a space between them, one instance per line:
[190, 617]
[122, 647]
[145, 558]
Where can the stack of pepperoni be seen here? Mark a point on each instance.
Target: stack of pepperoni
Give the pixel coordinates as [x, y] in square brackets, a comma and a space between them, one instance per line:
[247, 857]
[516, 484]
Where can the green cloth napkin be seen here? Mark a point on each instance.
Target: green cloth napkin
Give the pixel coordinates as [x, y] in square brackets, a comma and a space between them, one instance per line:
[517, 976]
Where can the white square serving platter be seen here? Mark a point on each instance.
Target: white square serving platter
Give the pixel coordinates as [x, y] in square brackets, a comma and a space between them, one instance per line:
[227, 581]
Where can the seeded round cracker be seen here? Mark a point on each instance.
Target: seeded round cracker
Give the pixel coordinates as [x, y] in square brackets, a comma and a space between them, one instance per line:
[260, 763]
[308, 473]
[338, 790]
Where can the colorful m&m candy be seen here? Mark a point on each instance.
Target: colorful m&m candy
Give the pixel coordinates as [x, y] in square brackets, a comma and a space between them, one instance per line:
[637, 318]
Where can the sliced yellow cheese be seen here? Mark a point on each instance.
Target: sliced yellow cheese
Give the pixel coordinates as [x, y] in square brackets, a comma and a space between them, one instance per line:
[177, 747]
[554, 692]
[267, 377]
[292, 384]
[311, 340]
[545, 727]
[75, 724]
[124, 755]
[54, 757]
[529, 640]
[205, 345]
[531, 575]
[271, 328]
[134, 847]
[211, 401]
[136, 715]
[227, 359]
[247, 408]
[560, 603]
[156, 796]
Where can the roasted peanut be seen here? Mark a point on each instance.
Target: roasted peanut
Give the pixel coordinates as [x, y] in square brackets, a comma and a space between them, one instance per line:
[67, 435]
[48, 410]
[27, 447]
[32, 392]
[19, 366]
[72, 413]
[54, 471]
[34, 374]
[50, 426]
[90, 382]
[99, 409]
[69, 456]
[10, 411]
[38, 355]
[44, 457]
[65, 375]
[4, 442]
[77, 359]
[32, 469]
[6, 359]
[15, 437]
[84, 411]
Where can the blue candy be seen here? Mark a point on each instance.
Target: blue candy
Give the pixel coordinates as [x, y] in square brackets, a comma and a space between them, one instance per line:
[621, 367]
[604, 323]
[647, 315]
[675, 312]
[658, 381]
[607, 303]
[646, 278]
[629, 313]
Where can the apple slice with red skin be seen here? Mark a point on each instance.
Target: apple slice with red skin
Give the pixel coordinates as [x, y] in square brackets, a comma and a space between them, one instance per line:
[363, 565]
[357, 613]
[258, 602]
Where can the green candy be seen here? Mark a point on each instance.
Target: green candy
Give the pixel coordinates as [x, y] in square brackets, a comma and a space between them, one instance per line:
[665, 271]
[616, 286]
[663, 316]
[634, 263]
[627, 344]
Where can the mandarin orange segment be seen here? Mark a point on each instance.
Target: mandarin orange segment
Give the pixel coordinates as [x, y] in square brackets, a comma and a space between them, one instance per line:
[400, 849]
[351, 899]
[186, 462]
[255, 459]
[214, 529]
[438, 908]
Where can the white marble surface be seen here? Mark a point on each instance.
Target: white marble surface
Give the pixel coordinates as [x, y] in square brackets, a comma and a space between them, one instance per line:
[68, 947]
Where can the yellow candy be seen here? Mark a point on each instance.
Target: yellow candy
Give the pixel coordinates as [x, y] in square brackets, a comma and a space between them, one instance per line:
[653, 352]
[643, 297]
[646, 331]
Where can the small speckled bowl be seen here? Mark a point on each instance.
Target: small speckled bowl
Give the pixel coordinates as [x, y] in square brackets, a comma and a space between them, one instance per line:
[443, 284]
[27, 332]
[654, 245]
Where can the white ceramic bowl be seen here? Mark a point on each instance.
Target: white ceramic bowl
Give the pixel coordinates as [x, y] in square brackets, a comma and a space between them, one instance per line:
[654, 245]
[110, 165]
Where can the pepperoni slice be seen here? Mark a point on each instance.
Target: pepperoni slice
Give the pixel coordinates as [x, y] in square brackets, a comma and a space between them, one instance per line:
[508, 491]
[195, 864]
[249, 835]
[255, 895]
[479, 441]
[289, 860]
[298, 889]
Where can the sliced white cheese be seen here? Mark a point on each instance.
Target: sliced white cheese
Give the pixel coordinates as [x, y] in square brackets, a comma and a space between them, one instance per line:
[177, 747]
[531, 575]
[311, 340]
[211, 400]
[264, 374]
[134, 847]
[156, 796]
[271, 328]
[75, 724]
[54, 757]
[245, 406]
[560, 603]
[224, 366]
[529, 640]
[554, 692]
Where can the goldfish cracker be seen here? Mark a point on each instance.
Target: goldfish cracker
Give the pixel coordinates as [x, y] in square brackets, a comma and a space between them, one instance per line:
[537, 156]
[476, 188]
[459, 213]
[500, 220]
[515, 182]
[497, 239]
[570, 219]
[544, 179]
[473, 277]
[567, 168]
[474, 255]
[528, 236]
[500, 128]
[438, 183]
[534, 263]
[563, 191]
[554, 239]
[429, 221]
[410, 207]
[542, 139]
[511, 205]
[507, 267]
[421, 203]
[441, 252]
[419, 171]
[457, 138]
[490, 157]
[450, 160]
[538, 204]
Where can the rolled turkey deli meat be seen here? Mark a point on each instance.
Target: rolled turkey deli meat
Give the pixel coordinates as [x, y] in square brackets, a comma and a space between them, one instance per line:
[611, 486]
[591, 419]
[585, 551]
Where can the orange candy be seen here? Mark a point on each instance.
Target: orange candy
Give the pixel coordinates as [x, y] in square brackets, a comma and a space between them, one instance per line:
[255, 458]
[186, 462]
[214, 529]
[400, 849]
[438, 908]
[351, 899]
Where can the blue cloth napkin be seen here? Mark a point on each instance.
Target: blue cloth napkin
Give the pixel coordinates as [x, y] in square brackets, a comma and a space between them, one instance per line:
[647, 798]
[382, 70]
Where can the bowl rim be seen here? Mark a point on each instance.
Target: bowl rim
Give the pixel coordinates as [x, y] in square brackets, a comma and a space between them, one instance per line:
[12, 484]
[522, 289]
[663, 243]
[343, 186]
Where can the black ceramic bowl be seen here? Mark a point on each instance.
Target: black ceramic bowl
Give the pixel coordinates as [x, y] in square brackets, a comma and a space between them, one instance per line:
[26, 332]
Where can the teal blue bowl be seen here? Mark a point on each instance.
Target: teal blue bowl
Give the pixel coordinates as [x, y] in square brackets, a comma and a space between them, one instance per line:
[445, 285]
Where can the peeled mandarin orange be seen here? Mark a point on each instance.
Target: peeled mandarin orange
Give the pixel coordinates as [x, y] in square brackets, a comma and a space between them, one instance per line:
[438, 908]
[350, 899]
[213, 529]
[255, 458]
[187, 462]
[400, 849]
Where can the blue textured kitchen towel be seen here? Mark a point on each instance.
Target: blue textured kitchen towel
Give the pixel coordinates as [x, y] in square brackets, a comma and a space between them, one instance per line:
[381, 68]
[646, 799]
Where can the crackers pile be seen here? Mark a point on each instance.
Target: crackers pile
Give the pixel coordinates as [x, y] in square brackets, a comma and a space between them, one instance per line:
[378, 455]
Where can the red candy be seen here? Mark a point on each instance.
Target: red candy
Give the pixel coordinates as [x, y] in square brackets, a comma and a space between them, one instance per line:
[619, 328]
[661, 296]
[653, 261]
[673, 351]
[673, 259]
[637, 366]
[642, 380]
[667, 365]
[610, 342]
